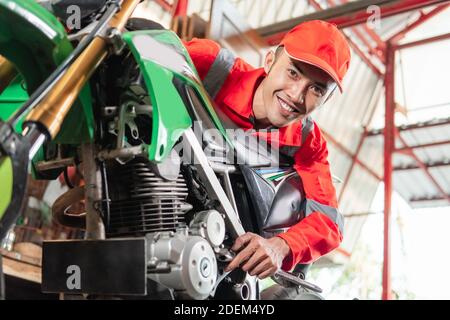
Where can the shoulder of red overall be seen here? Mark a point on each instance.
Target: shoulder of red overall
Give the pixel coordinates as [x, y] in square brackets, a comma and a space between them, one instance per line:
[311, 162]
[203, 52]
[313, 148]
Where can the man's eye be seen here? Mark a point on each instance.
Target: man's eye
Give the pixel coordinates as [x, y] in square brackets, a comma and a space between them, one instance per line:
[292, 73]
[318, 91]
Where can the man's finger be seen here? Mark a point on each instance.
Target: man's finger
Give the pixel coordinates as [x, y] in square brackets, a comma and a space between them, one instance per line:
[243, 255]
[261, 267]
[241, 241]
[267, 273]
[255, 259]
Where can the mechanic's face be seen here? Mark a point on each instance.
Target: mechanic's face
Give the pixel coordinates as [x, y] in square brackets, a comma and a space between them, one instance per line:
[292, 89]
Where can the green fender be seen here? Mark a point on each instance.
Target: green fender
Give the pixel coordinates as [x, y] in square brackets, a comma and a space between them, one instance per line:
[171, 117]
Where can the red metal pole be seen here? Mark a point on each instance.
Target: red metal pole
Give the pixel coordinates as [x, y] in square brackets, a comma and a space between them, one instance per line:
[388, 150]
[181, 8]
[165, 5]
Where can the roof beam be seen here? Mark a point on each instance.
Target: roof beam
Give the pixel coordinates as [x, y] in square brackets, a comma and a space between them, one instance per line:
[441, 37]
[424, 145]
[418, 22]
[428, 165]
[349, 14]
[415, 126]
[352, 44]
[432, 198]
[379, 54]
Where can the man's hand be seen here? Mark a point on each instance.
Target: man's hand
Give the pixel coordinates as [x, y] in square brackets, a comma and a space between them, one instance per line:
[262, 257]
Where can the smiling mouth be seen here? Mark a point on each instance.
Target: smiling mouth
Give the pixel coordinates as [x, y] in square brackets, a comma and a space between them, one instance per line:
[287, 107]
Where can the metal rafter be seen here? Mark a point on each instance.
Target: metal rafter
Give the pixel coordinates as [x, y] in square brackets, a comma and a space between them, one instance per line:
[418, 22]
[424, 168]
[381, 45]
[352, 44]
[348, 14]
[434, 164]
[165, 5]
[338, 145]
[350, 170]
[364, 58]
[434, 198]
[373, 51]
[376, 52]
[421, 42]
[415, 126]
[424, 145]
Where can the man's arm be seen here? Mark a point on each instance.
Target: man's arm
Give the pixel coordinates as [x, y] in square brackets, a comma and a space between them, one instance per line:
[321, 230]
[315, 235]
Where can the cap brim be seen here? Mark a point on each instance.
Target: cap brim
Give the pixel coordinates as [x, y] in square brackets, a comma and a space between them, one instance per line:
[316, 62]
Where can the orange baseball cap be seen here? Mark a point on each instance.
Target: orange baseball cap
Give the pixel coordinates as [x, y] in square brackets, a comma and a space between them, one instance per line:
[320, 44]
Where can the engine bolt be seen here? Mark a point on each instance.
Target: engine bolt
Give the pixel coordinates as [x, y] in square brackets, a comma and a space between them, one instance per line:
[205, 267]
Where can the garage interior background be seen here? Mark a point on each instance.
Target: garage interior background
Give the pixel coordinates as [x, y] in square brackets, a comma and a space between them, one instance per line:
[388, 137]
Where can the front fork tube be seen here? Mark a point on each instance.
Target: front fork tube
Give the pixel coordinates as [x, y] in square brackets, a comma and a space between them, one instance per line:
[95, 228]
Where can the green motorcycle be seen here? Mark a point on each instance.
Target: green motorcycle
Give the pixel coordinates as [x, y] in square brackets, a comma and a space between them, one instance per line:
[167, 177]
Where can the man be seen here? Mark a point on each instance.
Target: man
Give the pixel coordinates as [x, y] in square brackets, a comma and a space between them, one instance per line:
[300, 76]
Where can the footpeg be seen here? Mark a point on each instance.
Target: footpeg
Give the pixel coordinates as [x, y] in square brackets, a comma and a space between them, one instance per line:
[287, 276]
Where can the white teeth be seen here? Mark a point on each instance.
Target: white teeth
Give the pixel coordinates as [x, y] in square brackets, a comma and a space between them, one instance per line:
[285, 106]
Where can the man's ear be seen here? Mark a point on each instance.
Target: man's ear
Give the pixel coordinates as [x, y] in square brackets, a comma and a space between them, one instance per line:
[269, 61]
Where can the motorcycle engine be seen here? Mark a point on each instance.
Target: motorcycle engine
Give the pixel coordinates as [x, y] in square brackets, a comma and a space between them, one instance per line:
[150, 200]
[146, 199]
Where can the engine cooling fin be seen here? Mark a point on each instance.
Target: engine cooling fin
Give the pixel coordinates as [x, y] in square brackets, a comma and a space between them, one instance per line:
[142, 202]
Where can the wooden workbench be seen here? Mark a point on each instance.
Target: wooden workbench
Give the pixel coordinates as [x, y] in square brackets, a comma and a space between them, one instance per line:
[18, 265]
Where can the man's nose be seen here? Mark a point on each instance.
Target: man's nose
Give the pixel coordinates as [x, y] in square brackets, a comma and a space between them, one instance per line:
[297, 92]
